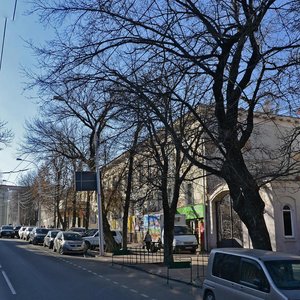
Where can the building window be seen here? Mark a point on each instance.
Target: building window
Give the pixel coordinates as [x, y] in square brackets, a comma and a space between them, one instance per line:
[287, 221]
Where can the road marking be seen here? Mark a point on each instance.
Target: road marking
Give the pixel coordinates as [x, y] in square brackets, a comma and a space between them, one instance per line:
[106, 278]
[9, 283]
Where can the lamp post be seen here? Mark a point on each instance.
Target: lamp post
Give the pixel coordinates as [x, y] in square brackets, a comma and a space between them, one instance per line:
[99, 200]
[39, 191]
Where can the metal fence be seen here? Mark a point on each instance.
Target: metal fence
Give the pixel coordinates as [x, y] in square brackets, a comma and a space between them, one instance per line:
[149, 260]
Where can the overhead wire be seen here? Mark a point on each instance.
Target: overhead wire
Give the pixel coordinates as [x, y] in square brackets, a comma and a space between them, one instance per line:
[4, 32]
[3, 42]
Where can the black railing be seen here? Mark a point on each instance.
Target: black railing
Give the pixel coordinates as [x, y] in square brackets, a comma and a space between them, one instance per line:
[142, 258]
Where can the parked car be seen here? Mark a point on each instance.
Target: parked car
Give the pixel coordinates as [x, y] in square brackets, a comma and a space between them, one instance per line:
[234, 273]
[69, 242]
[93, 241]
[26, 232]
[80, 230]
[49, 238]
[7, 231]
[16, 230]
[21, 232]
[37, 235]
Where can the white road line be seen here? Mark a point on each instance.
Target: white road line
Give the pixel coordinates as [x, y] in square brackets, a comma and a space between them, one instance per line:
[145, 296]
[9, 283]
[124, 286]
[134, 291]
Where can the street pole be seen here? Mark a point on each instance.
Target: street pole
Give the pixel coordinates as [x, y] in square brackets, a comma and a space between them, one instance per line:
[99, 199]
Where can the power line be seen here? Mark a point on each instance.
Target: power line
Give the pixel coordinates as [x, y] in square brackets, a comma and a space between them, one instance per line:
[15, 9]
[3, 41]
[4, 31]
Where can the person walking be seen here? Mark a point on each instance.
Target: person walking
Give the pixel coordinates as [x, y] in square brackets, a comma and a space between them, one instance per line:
[148, 240]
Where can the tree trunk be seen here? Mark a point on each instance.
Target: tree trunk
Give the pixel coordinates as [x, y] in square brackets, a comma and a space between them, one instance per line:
[129, 186]
[169, 217]
[247, 201]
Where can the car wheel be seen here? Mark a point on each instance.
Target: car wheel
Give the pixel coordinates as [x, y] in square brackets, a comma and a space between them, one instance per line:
[209, 296]
[54, 250]
[61, 250]
[50, 245]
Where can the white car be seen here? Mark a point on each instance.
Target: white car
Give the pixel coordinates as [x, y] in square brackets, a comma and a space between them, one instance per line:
[238, 274]
[69, 242]
[93, 241]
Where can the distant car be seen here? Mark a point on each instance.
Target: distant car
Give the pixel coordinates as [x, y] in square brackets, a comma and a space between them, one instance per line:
[16, 230]
[37, 235]
[69, 242]
[93, 241]
[49, 238]
[80, 230]
[26, 232]
[7, 231]
[235, 273]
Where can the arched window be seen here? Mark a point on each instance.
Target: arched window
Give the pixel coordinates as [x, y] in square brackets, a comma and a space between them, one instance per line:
[287, 221]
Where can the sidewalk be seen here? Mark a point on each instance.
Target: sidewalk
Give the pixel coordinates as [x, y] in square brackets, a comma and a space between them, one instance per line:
[191, 276]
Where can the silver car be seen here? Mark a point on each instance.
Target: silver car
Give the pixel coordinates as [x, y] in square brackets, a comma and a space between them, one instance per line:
[49, 238]
[249, 274]
[69, 242]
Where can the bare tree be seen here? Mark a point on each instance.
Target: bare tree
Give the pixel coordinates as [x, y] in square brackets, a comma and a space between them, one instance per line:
[6, 135]
[69, 126]
[238, 54]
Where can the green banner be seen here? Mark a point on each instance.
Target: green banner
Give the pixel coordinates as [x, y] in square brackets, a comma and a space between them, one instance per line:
[192, 211]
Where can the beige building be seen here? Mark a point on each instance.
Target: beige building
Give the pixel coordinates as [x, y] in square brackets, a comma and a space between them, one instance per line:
[281, 197]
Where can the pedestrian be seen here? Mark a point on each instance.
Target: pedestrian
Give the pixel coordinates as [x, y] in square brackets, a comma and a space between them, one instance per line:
[148, 240]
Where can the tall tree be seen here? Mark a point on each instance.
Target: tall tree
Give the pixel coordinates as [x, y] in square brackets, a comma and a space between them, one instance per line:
[238, 54]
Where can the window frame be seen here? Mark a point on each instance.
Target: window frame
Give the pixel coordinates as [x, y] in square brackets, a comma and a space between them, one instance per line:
[287, 209]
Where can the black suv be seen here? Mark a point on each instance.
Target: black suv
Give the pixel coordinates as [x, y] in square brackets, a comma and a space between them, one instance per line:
[7, 231]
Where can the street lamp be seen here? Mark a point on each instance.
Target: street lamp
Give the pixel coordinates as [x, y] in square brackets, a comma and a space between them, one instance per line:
[39, 190]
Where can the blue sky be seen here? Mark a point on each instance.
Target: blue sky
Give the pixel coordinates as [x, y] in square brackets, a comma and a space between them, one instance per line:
[16, 106]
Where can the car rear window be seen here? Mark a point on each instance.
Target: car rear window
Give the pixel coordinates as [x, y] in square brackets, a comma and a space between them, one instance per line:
[226, 266]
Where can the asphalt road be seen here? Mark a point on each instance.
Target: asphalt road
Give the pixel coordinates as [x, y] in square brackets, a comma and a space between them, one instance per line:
[34, 272]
